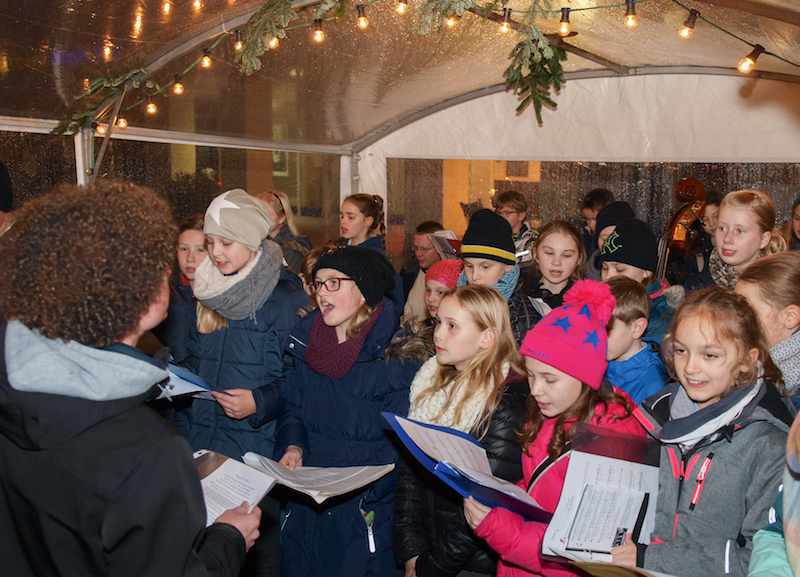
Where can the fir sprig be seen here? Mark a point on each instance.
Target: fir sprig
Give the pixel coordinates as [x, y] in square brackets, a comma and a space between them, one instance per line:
[264, 25]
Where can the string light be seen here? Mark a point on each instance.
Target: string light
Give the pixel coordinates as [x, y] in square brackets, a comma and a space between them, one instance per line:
[151, 108]
[122, 124]
[563, 25]
[100, 129]
[688, 26]
[205, 62]
[319, 35]
[749, 62]
[167, 7]
[630, 14]
[107, 46]
[451, 21]
[238, 44]
[177, 88]
[505, 27]
[402, 6]
[273, 43]
[197, 4]
[362, 20]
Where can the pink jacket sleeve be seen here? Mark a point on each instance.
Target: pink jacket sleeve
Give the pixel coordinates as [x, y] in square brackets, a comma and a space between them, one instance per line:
[518, 542]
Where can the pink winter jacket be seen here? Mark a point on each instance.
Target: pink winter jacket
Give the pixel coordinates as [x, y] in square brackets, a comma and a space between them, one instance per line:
[519, 542]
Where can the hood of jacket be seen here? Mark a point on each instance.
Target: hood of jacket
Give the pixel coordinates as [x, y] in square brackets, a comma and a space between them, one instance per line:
[636, 366]
[51, 390]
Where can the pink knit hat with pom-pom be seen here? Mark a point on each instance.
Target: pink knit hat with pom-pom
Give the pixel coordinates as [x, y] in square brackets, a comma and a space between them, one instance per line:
[446, 272]
[572, 338]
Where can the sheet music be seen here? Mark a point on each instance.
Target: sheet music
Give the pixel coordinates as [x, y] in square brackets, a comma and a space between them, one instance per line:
[446, 447]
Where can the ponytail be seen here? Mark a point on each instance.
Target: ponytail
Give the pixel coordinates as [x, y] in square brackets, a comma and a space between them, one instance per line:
[371, 205]
[777, 243]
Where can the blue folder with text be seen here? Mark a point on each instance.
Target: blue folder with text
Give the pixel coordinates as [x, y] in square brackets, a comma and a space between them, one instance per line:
[459, 460]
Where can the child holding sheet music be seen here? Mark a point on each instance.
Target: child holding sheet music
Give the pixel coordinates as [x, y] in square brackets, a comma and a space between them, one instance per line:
[723, 431]
[475, 385]
[565, 359]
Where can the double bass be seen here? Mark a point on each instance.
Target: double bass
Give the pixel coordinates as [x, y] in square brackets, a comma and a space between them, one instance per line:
[680, 230]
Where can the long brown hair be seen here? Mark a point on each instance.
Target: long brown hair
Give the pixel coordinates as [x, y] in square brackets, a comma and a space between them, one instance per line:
[581, 411]
[371, 205]
[484, 374]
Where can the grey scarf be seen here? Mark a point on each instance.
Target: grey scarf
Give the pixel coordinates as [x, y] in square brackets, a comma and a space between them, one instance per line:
[239, 296]
[785, 355]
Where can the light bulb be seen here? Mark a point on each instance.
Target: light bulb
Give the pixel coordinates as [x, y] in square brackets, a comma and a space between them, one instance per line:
[206, 61]
[238, 44]
[749, 62]
[151, 108]
[505, 27]
[101, 129]
[451, 21]
[197, 4]
[319, 35]
[177, 88]
[688, 26]
[401, 7]
[630, 14]
[167, 7]
[563, 25]
[122, 124]
[274, 42]
[362, 21]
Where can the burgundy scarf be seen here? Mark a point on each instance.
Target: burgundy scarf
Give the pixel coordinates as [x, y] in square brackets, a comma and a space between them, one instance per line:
[326, 356]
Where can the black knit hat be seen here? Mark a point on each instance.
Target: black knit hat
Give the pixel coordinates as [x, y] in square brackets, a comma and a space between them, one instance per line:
[371, 270]
[6, 192]
[489, 236]
[632, 243]
[613, 214]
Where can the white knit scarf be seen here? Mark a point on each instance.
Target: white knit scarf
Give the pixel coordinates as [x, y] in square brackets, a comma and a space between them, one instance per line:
[427, 410]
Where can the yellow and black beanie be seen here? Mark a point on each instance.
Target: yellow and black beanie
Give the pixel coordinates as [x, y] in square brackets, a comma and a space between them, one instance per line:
[489, 236]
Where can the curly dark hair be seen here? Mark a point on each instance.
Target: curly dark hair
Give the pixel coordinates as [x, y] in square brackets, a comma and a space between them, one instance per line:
[82, 263]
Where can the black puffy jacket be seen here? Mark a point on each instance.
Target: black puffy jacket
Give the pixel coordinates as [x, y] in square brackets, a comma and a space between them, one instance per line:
[429, 516]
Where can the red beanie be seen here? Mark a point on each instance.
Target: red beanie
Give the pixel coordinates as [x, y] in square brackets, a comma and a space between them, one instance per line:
[572, 338]
[445, 271]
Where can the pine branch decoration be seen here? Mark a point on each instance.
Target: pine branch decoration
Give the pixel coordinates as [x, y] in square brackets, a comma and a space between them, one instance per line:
[264, 25]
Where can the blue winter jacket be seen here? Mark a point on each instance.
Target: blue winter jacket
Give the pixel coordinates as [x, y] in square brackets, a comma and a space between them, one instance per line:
[338, 423]
[246, 355]
[174, 331]
[641, 376]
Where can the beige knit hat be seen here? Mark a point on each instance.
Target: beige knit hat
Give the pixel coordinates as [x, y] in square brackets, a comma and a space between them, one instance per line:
[238, 216]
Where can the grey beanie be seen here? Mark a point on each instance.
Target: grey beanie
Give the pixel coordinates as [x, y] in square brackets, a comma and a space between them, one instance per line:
[238, 216]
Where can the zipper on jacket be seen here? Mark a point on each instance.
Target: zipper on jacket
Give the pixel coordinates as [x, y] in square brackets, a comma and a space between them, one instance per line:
[701, 478]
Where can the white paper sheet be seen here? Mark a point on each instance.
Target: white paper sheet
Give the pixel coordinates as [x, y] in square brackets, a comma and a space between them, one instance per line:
[230, 484]
[447, 447]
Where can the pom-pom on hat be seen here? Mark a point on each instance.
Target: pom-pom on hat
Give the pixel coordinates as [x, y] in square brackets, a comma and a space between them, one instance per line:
[489, 236]
[572, 338]
[372, 272]
[446, 272]
[632, 243]
[238, 216]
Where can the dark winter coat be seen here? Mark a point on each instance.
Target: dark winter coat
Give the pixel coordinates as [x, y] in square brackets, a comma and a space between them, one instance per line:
[98, 487]
[429, 516]
[523, 314]
[174, 331]
[294, 248]
[338, 423]
[246, 355]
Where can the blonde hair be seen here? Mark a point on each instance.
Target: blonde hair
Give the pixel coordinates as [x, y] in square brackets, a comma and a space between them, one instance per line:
[776, 278]
[282, 207]
[209, 320]
[484, 375]
[371, 205]
[762, 209]
[733, 320]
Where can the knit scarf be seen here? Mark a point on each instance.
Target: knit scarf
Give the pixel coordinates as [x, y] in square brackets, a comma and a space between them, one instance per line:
[722, 273]
[505, 285]
[330, 358]
[238, 296]
[688, 424]
[785, 355]
[427, 410]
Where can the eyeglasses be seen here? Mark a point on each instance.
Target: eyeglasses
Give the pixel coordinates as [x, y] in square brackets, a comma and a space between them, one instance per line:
[421, 249]
[331, 285]
[506, 213]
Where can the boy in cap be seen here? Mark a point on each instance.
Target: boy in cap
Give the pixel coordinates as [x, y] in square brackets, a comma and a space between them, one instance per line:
[488, 252]
[631, 250]
[607, 219]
